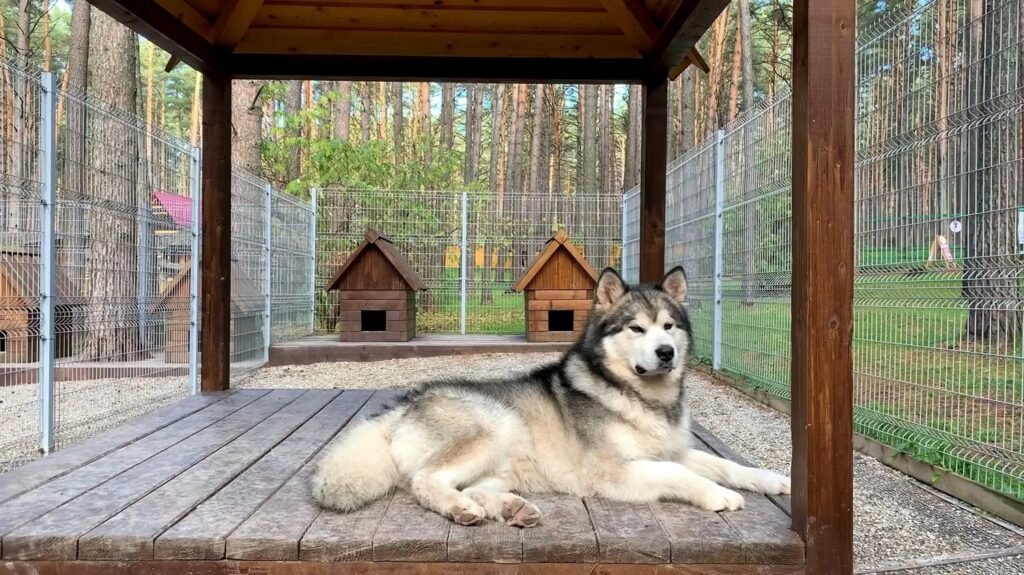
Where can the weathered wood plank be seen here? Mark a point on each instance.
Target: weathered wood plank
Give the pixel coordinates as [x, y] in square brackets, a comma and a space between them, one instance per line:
[202, 534]
[627, 532]
[41, 500]
[765, 533]
[31, 475]
[55, 535]
[564, 535]
[383, 568]
[409, 532]
[696, 535]
[273, 532]
[492, 542]
[130, 534]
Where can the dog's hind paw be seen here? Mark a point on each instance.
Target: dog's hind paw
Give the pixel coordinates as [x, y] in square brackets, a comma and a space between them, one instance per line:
[519, 512]
[720, 499]
[468, 514]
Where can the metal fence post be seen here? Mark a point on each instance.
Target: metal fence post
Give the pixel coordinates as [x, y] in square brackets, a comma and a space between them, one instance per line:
[47, 246]
[312, 256]
[622, 252]
[268, 228]
[463, 257]
[716, 353]
[193, 304]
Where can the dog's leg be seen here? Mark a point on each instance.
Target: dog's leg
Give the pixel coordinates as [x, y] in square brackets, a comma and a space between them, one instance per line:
[435, 490]
[492, 493]
[653, 480]
[732, 474]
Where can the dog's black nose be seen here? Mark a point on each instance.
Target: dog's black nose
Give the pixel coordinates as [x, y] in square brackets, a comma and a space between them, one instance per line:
[665, 353]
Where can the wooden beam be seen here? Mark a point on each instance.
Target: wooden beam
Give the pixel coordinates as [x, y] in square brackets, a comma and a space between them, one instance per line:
[234, 20]
[654, 161]
[693, 58]
[822, 300]
[685, 25]
[635, 22]
[216, 234]
[166, 31]
[438, 69]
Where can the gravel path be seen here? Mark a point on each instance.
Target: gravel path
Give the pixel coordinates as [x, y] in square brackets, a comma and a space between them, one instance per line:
[896, 519]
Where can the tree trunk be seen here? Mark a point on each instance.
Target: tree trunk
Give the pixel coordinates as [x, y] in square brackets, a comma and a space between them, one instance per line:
[497, 189]
[113, 333]
[750, 210]
[589, 118]
[423, 114]
[365, 112]
[991, 285]
[343, 110]
[293, 107]
[533, 185]
[18, 212]
[718, 38]
[247, 119]
[397, 120]
[734, 82]
[688, 114]
[47, 47]
[74, 173]
[631, 169]
[474, 121]
[448, 116]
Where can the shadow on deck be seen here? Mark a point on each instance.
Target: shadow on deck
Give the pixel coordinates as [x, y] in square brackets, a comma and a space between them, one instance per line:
[218, 484]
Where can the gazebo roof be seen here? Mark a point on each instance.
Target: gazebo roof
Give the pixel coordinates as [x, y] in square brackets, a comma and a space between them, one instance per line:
[487, 40]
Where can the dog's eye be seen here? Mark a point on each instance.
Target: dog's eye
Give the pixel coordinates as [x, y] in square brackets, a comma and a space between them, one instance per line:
[668, 326]
[636, 329]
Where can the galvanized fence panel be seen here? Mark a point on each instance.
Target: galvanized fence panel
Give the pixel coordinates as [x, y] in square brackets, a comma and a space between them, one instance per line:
[292, 281]
[502, 236]
[938, 340]
[249, 256]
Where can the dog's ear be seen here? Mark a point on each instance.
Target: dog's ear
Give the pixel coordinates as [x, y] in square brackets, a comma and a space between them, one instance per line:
[674, 284]
[610, 289]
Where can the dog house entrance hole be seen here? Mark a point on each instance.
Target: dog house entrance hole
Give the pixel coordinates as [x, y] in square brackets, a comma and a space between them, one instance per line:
[560, 320]
[374, 320]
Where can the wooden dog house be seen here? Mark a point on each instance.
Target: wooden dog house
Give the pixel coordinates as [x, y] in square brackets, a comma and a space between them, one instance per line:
[246, 315]
[378, 293]
[19, 307]
[559, 286]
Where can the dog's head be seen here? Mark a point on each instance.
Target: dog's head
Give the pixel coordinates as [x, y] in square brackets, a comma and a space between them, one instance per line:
[641, 332]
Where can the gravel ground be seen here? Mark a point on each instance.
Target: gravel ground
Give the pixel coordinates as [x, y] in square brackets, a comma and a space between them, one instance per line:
[896, 519]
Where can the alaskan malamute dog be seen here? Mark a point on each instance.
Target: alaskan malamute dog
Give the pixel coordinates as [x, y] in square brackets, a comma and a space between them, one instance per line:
[608, 419]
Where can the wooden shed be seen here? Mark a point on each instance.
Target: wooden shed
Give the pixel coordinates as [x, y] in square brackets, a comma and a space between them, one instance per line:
[19, 307]
[247, 303]
[559, 286]
[378, 293]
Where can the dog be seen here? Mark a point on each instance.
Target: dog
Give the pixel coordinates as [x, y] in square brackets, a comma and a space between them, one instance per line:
[607, 419]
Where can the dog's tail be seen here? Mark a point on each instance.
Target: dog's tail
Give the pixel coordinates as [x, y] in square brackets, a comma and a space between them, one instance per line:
[358, 469]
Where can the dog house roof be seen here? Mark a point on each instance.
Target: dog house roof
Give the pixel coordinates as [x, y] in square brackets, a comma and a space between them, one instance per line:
[559, 241]
[390, 252]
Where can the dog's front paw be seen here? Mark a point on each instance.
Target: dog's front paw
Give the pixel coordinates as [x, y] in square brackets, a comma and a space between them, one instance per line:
[770, 483]
[720, 499]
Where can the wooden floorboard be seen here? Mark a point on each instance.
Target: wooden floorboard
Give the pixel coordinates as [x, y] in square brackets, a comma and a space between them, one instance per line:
[273, 532]
[203, 533]
[130, 534]
[39, 501]
[222, 486]
[31, 475]
[55, 535]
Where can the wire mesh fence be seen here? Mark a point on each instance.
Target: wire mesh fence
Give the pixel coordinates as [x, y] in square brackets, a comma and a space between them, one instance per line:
[938, 343]
[502, 236]
[95, 200]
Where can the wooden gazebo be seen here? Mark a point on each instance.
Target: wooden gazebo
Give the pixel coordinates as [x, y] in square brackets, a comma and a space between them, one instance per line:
[581, 41]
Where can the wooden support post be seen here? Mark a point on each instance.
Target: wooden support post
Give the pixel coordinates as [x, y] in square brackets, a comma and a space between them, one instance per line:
[216, 233]
[654, 143]
[822, 305]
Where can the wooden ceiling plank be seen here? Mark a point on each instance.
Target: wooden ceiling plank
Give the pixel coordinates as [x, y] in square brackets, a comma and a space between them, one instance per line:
[635, 22]
[188, 16]
[438, 68]
[399, 43]
[684, 27]
[402, 17]
[234, 20]
[507, 5]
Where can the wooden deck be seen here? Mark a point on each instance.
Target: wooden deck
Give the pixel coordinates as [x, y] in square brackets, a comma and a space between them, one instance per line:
[217, 484]
[328, 348]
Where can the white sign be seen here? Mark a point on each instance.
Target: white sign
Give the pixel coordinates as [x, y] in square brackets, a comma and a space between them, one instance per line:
[955, 227]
